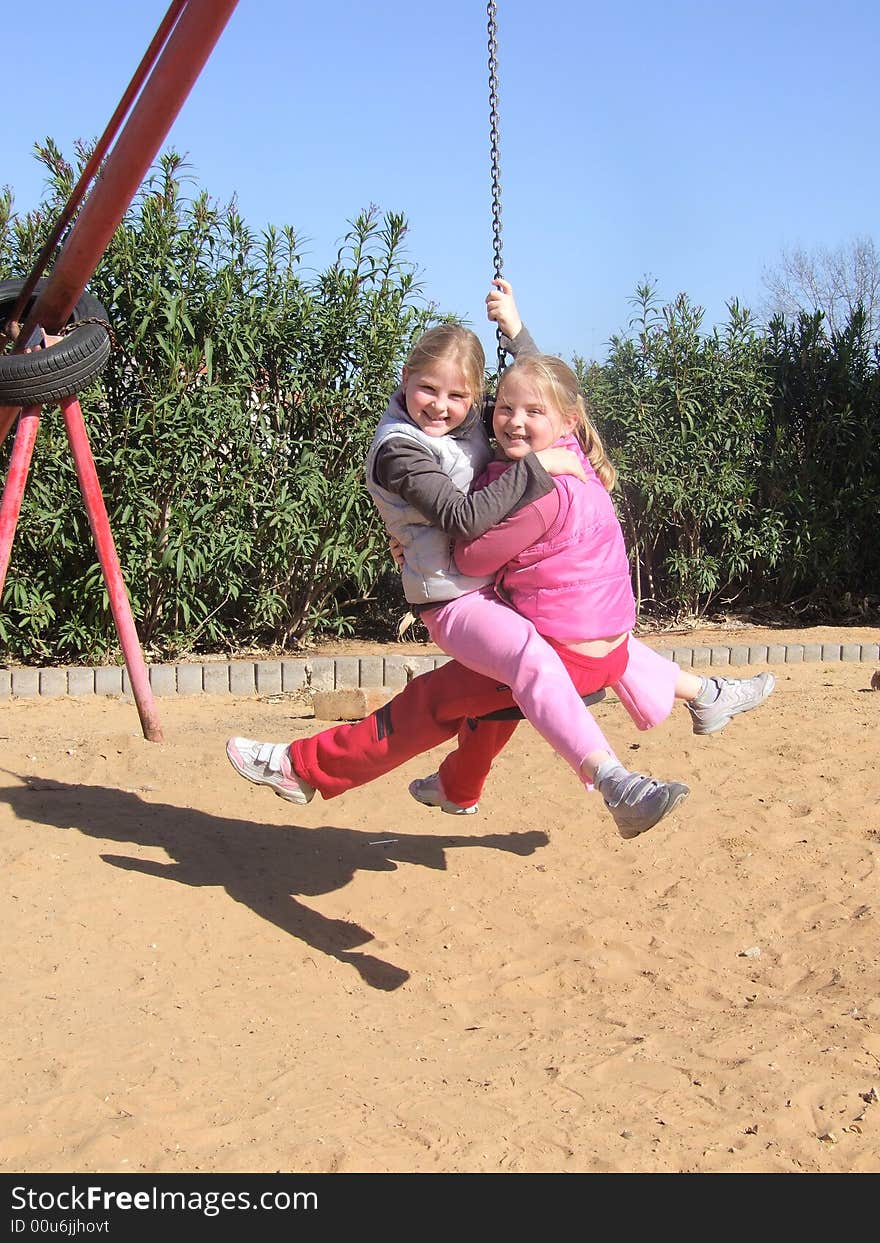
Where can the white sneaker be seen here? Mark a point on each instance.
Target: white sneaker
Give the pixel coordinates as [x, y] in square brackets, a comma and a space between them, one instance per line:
[724, 698]
[268, 764]
[429, 792]
[636, 802]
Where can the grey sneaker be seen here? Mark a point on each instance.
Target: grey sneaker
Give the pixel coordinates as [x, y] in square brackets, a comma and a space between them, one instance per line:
[723, 698]
[268, 764]
[636, 802]
[429, 792]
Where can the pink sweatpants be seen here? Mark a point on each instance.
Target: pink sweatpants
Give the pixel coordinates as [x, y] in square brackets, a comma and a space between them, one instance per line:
[438, 706]
[482, 632]
[647, 688]
[643, 681]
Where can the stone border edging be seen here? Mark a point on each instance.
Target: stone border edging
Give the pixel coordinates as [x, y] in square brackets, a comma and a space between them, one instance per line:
[305, 675]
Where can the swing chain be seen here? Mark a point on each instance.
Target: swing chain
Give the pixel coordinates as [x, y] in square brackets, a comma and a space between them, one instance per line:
[494, 139]
[91, 319]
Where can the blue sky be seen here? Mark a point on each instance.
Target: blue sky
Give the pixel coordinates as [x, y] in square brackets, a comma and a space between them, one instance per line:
[685, 142]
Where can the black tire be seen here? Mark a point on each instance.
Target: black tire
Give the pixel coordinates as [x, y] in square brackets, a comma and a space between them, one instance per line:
[57, 371]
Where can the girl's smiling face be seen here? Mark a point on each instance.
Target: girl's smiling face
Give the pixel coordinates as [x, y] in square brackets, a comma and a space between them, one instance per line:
[436, 396]
[524, 421]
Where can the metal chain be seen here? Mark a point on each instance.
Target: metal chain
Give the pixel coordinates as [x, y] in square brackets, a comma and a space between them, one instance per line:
[494, 139]
[91, 319]
[64, 331]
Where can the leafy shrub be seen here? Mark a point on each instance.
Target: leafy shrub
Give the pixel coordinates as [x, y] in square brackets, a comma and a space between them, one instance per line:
[823, 461]
[683, 414]
[229, 430]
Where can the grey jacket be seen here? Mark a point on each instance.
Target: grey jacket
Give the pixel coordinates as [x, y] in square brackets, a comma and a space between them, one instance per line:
[420, 485]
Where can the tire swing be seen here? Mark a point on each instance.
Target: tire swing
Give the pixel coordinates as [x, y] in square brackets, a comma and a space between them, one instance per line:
[514, 713]
[55, 371]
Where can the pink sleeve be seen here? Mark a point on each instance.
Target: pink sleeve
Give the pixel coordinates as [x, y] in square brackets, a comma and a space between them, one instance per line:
[488, 553]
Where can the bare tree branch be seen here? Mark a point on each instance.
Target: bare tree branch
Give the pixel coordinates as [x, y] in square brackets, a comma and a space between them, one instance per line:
[835, 282]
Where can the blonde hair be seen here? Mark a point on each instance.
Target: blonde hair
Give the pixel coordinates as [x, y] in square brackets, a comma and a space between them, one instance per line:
[456, 344]
[560, 388]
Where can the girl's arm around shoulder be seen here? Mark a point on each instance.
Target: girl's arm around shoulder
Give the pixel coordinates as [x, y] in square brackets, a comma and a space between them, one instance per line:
[490, 552]
[409, 471]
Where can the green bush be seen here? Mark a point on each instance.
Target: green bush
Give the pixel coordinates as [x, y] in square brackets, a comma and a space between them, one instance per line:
[230, 426]
[823, 459]
[229, 430]
[683, 415]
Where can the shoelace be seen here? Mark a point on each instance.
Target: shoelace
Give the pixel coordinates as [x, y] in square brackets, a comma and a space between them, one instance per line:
[740, 691]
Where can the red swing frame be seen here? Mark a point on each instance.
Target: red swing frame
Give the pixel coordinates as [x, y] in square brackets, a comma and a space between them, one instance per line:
[166, 75]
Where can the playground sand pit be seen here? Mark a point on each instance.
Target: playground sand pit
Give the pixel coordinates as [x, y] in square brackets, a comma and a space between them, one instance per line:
[200, 977]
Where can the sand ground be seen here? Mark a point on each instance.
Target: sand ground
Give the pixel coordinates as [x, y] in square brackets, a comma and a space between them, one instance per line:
[201, 977]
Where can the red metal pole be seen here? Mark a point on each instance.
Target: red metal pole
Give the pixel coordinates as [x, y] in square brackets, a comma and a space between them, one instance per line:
[13, 491]
[182, 59]
[199, 25]
[94, 162]
[107, 555]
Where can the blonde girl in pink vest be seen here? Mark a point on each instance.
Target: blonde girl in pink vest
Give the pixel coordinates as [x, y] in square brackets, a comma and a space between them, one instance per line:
[561, 563]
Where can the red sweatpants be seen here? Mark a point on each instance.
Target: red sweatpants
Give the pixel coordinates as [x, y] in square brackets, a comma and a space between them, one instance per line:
[432, 709]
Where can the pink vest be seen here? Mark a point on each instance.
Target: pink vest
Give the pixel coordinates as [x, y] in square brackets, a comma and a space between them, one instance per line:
[575, 585]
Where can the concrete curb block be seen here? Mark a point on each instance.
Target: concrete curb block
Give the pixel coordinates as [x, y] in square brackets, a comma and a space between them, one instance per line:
[307, 676]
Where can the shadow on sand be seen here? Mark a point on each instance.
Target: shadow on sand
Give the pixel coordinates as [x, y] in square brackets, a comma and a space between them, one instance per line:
[266, 867]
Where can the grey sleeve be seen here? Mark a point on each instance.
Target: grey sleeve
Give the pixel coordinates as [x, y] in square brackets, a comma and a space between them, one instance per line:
[405, 469]
[520, 346]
